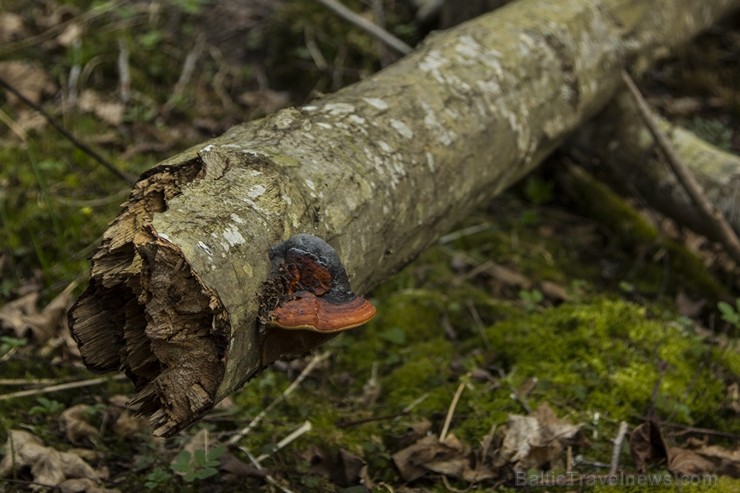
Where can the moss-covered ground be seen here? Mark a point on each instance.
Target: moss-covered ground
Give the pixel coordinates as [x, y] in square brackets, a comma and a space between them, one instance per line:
[557, 292]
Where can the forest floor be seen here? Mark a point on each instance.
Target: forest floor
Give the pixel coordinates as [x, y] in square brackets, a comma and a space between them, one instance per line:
[557, 320]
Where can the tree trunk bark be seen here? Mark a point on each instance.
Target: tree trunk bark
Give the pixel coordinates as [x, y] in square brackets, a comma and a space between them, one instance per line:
[379, 169]
[619, 147]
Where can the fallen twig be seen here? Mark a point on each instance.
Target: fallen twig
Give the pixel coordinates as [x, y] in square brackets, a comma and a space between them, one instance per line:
[124, 72]
[618, 440]
[59, 128]
[188, 67]
[268, 477]
[695, 429]
[60, 387]
[26, 381]
[451, 411]
[304, 428]
[289, 390]
[367, 26]
[693, 189]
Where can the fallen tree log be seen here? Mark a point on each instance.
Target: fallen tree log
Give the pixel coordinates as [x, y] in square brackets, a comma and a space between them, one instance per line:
[379, 169]
[618, 147]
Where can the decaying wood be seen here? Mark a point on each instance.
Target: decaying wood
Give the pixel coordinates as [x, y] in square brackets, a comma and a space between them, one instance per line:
[379, 169]
[618, 147]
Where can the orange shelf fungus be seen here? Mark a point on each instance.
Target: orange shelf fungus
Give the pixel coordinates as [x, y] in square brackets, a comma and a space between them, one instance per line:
[309, 289]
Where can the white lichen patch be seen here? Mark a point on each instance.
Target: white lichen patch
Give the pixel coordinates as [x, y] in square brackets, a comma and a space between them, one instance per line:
[207, 148]
[338, 109]
[491, 88]
[387, 163]
[284, 119]
[385, 147]
[205, 248]
[446, 136]
[430, 162]
[554, 127]
[402, 129]
[287, 200]
[324, 125]
[377, 103]
[310, 184]
[469, 48]
[357, 119]
[432, 64]
[309, 108]
[517, 123]
[256, 191]
[237, 219]
[233, 237]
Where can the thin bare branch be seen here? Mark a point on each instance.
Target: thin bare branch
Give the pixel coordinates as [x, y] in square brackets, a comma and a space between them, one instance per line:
[289, 390]
[618, 440]
[301, 430]
[60, 387]
[270, 479]
[451, 411]
[693, 189]
[59, 128]
[367, 26]
[124, 71]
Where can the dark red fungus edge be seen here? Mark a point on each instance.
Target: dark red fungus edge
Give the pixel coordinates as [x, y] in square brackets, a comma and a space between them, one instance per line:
[309, 289]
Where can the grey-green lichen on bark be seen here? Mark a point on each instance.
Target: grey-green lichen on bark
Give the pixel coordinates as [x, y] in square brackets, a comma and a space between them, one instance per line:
[379, 169]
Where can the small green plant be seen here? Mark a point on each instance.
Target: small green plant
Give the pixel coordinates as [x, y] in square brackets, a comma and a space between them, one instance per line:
[46, 406]
[8, 342]
[730, 314]
[539, 191]
[531, 298]
[201, 464]
[158, 478]
[627, 287]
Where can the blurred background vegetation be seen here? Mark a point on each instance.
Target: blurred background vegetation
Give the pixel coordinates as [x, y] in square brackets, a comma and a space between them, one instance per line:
[569, 286]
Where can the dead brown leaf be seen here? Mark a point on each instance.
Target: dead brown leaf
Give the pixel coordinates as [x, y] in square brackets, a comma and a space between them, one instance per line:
[125, 422]
[73, 422]
[29, 78]
[415, 432]
[688, 307]
[110, 112]
[48, 466]
[509, 276]
[349, 467]
[554, 291]
[532, 441]
[71, 35]
[234, 469]
[726, 461]
[449, 457]
[82, 485]
[685, 462]
[647, 445]
[11, 27]
[343, 468]
[22, 317]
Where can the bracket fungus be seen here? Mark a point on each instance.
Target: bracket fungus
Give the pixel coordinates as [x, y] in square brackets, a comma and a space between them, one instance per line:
[309, 289]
